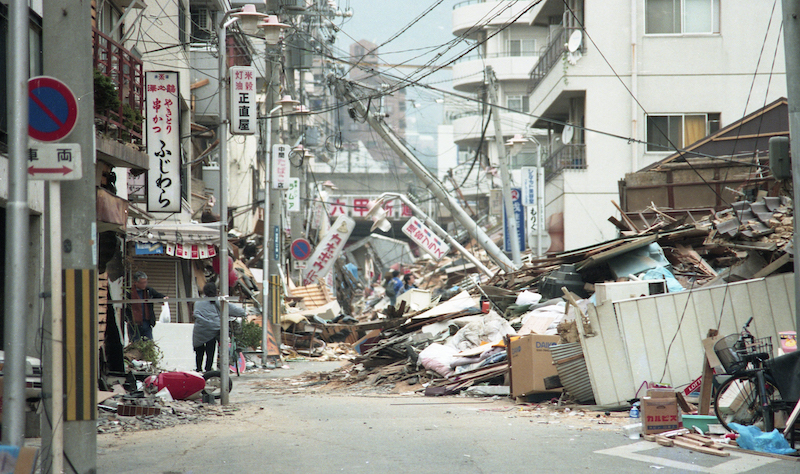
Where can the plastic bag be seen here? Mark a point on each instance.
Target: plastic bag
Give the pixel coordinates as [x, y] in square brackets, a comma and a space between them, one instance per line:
[165, 316]
[750, 437]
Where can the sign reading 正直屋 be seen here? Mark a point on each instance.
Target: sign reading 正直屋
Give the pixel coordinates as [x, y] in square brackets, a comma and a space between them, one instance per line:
[163, 141]
[243, 100]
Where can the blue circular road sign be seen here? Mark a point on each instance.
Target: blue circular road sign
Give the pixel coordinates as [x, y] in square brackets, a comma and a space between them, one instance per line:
[301, 249]
[52, 109]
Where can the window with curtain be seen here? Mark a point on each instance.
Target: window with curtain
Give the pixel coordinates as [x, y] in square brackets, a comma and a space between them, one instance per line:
[521, 47]
[681, 17]
[667, 132]
[517, 103]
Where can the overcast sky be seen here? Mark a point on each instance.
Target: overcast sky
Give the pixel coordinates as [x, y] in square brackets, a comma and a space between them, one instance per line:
[379, 20]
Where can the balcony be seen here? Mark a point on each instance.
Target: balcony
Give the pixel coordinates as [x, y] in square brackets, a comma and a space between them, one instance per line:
[119, 90]
[468, 70]
[568, 157]
[550, 55]
[471, 16]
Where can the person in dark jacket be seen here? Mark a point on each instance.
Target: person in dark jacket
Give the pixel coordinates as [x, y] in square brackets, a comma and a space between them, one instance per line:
[141, 317]
[205, 335]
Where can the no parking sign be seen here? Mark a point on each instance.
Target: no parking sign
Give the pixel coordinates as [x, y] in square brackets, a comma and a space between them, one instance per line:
[52, 109]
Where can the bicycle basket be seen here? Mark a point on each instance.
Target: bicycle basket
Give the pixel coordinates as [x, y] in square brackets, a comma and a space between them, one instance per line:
[732, 352]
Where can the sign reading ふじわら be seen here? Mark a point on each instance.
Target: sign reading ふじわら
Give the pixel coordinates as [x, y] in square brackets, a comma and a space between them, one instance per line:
[163, 141]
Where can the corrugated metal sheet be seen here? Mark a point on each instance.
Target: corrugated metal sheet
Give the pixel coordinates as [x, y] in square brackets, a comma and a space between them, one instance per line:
[571, 366]
[659, 338]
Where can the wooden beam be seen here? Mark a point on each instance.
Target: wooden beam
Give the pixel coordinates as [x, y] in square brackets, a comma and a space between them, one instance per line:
[200, 83]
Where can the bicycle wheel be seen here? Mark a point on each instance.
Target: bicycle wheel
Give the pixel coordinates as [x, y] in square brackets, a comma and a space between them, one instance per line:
[737, 401]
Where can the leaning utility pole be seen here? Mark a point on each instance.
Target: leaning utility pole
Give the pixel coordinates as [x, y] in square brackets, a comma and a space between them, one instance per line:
[344, 91]
[502, 159]
[791, 41]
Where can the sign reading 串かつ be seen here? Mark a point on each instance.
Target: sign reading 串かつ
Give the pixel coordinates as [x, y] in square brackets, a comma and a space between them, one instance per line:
[328, 250]
[163, 142]
[243, 100]
[425, 238]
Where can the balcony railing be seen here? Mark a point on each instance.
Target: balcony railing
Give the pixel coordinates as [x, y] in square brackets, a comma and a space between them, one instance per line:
[121, 118]
[549, 57]
[478, 56]
[569, 157]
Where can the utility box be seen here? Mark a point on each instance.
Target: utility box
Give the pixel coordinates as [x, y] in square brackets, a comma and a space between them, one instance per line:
[530, 363]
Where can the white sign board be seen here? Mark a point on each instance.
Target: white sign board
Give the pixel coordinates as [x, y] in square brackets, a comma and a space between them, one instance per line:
[280, 166]
[54, 161]
[163, 142]
[528, 185]
[243, 100]
[425, 238]
[328, 250]
[293, 195]
[495, 202]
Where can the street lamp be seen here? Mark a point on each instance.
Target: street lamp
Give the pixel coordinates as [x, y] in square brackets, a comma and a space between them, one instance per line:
[248, 18]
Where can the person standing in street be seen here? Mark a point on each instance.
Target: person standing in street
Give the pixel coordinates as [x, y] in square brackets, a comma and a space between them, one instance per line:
[205, 335]
[141, 317]
[393, 286]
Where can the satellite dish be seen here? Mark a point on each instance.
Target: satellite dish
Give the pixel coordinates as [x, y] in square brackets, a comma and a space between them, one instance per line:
[575, 40]
[566, 134]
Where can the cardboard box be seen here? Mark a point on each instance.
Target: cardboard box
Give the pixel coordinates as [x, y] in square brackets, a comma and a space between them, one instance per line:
[660, 411]
[530, 362]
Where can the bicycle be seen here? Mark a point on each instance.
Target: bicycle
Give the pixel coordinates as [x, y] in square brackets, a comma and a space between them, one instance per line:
[750, 395]
[235, 354]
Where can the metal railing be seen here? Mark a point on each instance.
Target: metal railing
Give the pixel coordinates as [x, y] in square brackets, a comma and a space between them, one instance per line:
[122, 120]
[464, 3]
[548, 58]
[568, 157]
[478, 56]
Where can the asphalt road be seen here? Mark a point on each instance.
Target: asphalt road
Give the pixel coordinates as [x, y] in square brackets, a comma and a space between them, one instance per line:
[291, 427]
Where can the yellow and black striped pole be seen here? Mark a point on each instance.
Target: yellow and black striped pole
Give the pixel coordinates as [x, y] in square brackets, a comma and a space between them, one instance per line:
[80, 344]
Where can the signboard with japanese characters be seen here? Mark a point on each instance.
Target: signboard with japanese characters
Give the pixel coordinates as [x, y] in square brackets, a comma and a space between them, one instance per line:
[280, 166]
[425, 238]
[163, 141]
[243, 100]
[54, 161]
[293, 195]
[528, 185]
[519, 216]
[358, 207]
[328, 250]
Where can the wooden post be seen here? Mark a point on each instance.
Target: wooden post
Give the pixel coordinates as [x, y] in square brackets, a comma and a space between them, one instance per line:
[707, 381]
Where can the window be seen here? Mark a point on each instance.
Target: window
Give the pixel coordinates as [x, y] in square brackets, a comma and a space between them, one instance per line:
[202, 24]
[665, 132]
[517, 103]
[681, 16]
[522, 47]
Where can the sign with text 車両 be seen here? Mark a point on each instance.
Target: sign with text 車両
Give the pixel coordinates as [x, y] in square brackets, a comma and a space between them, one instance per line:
[293, 195]
[280, 166]
[425, 238]
[328, 250]
[243, 100]
[163, 141]
[54, 161]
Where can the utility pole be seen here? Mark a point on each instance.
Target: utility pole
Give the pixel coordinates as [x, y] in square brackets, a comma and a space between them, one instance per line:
[502, 158]
[17, 226]
[343, 90]
[791, 41]
[68, 57]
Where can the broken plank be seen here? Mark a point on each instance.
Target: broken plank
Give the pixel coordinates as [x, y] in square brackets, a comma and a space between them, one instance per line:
[699, 438]
[665, 441]
[772, 267]
[730, 447]
[700, 449]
